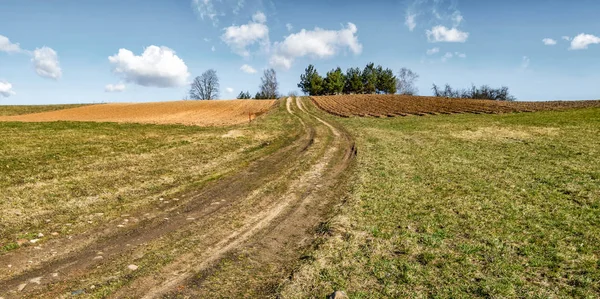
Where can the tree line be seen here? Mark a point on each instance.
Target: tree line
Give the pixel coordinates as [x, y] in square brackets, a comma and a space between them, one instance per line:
[370, 80]
[377, 80]
[206, 87]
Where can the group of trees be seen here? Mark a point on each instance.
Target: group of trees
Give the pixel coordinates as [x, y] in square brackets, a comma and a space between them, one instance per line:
[206, 87]
[483, 92]
[371, 79]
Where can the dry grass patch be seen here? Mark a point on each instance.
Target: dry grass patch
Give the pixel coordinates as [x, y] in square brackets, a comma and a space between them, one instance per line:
[59, 173]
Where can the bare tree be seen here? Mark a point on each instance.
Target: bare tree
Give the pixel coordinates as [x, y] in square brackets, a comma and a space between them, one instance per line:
[269, 85]
[406, 82]
[205, 87]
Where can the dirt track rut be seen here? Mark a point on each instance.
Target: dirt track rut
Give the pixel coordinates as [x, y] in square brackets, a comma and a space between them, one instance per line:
[265, 213]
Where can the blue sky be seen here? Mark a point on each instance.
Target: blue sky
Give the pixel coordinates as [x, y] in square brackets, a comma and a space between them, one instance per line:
[124, 51]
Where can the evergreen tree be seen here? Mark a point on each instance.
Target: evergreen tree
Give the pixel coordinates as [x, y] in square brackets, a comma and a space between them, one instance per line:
[244, 95]
[353, 83]
[334, 82]
[311, 82]
[386, 81]
[369, 78]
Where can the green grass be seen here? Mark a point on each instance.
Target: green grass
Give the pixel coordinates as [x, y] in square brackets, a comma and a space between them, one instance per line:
[7, 110]
[467, 206]
[67, 177]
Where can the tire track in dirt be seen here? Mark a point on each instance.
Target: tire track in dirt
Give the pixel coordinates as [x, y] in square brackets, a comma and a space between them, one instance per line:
[232, 192]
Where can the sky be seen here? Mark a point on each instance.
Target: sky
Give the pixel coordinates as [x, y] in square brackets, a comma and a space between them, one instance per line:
[72, 51]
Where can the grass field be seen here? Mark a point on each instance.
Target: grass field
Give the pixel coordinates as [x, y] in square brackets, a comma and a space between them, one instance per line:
[6, 110]
[66, 177]
[463, 206]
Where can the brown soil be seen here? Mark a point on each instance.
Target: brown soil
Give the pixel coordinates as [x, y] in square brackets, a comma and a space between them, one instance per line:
[201, 113]
[401, 105]
[267, 213]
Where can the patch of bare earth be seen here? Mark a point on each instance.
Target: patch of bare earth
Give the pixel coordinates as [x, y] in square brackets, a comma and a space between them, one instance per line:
[200, 113]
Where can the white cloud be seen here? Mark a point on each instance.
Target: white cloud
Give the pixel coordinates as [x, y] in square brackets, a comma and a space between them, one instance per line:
[206, 39]
[457, 18]
[239, 38]
[567, 38]
[525, 62]
[411, 21]
[433, 51]
[206, 10]
[289, 27]
[229, 90]
[7, 46]
[157, 66]
[259, 17]
[247, 69]
[460, 55]
[6, 89]
[443, 34]
[45, 61]
[447, 56]
[317, 43]
[549, 42]
[582, 41]
[213, 48]
[114, 87]
[238, 7]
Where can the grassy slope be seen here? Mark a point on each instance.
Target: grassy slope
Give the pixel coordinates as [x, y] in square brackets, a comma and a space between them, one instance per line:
[58, 176]
[7, 110]
[467, 206]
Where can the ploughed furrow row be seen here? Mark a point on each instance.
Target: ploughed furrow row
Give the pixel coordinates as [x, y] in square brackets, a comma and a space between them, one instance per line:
[376, 105]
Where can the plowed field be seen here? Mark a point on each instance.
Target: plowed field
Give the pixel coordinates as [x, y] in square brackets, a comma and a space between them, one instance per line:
[399, 105]
[201, 113]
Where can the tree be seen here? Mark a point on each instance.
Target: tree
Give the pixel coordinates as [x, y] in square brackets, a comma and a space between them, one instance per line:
[311, 82]
[353, 83]
[484, 92]
[386, 81]
[269, 85]
[244, 95]
[406, 82]
[369, 78]
[205, 87]
[334, 82]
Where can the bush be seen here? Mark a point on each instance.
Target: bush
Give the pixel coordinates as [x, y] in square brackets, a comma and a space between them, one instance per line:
[484, 92]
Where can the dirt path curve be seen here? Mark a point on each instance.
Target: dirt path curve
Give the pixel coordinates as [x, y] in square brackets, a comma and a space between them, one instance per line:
[266, 211]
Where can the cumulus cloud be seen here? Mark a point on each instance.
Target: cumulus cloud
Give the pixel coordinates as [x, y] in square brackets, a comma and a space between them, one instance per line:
[549, 42]
[460, 55]
[410, 21]
[317, 43]
[45, 62]
[213, 48]
[433, 51]
[447, 56]
[567, 38]
[247, 69]
[157, 66]
[229, 90]
[450, 55]
[443, 34]
[239, 38]
[289, 27]
[7, 46]
[582, 41]
[114, 87]
[6, 89]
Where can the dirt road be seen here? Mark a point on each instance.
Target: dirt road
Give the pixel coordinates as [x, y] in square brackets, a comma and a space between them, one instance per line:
[240, 236]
